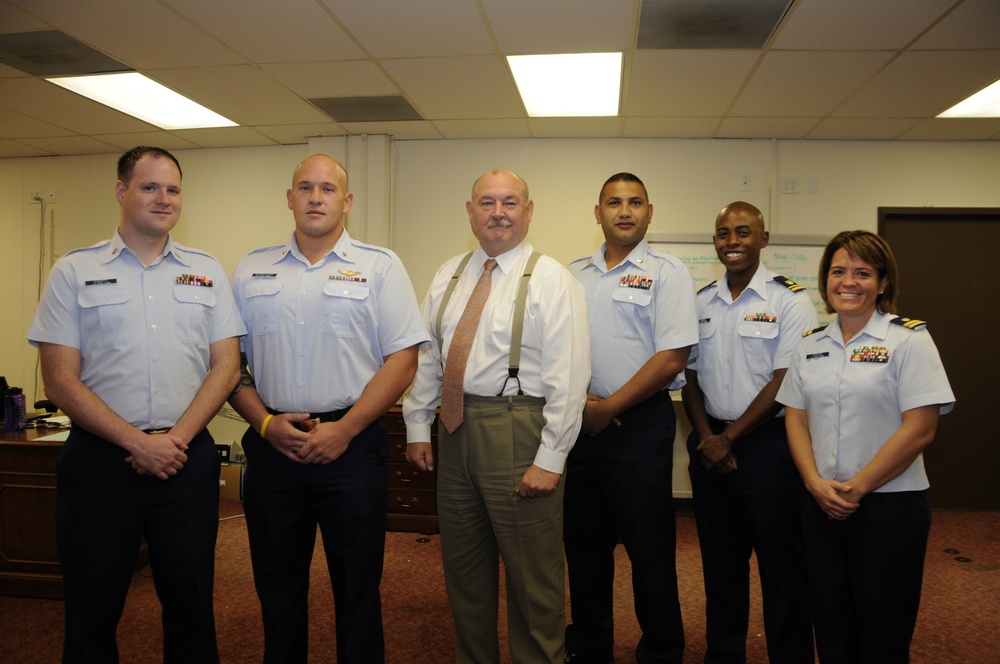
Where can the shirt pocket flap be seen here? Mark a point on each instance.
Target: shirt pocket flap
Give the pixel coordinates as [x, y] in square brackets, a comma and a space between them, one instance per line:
[758, 330]
[195, 295]
[99, 296]
[349, 289]
[706, 330]
[261, 287]
[635, 296]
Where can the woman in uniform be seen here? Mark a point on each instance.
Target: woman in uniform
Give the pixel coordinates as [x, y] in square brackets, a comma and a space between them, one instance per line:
[863, 396]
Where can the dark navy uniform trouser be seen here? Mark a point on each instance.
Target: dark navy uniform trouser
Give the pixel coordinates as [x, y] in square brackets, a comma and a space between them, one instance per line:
[103, 510]
[284, 502]
[618, 484]
[753, 509]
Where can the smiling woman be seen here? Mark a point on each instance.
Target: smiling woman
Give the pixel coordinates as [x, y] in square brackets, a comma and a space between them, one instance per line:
[879, 380]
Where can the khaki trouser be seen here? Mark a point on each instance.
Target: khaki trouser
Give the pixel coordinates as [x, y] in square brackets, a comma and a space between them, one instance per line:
[482, 517]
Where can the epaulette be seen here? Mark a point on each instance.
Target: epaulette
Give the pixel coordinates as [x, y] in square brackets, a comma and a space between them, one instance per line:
[789, 284]
[911, 323]
[708, 286]
[578, 260]
[98, 245]
[818, 329]
[263, 249]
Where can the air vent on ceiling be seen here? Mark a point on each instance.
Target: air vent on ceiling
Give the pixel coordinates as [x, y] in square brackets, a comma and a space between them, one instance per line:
[53, 53]
[715, 24]
[367, 109]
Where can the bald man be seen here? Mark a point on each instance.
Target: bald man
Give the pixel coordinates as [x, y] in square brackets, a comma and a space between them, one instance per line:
[745, 486]
[506, 425]
[334, 330]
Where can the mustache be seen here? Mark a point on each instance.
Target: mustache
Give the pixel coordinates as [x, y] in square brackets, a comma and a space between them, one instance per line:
[499, 223]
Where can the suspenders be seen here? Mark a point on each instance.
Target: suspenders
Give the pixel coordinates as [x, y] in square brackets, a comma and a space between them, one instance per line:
[517, 326]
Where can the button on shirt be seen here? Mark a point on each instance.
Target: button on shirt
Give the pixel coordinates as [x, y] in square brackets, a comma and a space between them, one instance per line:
[635, 309]
[741, 343]
[318, 333]
[143, 332]
[854, 394]
[555, 362]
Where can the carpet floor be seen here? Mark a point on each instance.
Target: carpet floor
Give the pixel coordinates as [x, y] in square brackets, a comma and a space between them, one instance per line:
[958, 623]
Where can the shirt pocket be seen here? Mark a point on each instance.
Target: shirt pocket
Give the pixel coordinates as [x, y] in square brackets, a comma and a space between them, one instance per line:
[195, 306]
[260, 308]
[758, 341]
[344, 309]
[632, 312]
[104, 319]
[707, 339]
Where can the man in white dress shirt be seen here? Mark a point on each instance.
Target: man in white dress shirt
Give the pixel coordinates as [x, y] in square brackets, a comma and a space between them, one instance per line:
[499, 469]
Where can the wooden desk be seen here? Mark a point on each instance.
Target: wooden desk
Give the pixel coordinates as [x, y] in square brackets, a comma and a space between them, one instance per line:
[29, 564]
[411, 503]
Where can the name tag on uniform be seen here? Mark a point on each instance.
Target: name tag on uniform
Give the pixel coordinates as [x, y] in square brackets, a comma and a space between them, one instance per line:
[815, 356]
[99, 282]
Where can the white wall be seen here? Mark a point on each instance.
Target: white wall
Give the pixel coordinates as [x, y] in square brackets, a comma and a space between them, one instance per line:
[234, 199]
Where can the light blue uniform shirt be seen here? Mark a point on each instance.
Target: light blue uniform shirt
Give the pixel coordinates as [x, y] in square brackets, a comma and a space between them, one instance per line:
[635, 309]
[143, 332]
[741, 343]
[318, 333]
[854, 394]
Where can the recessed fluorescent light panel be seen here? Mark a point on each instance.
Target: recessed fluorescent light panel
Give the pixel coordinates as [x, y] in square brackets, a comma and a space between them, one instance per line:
[570, 85]
[983, 104]
[145, 99]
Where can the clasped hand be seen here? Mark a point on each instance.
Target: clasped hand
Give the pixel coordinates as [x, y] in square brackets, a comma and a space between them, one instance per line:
[320, 443]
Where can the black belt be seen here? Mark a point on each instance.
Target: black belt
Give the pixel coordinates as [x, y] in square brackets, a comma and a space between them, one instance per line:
[329, 416]
[156, 430]
[716, 423]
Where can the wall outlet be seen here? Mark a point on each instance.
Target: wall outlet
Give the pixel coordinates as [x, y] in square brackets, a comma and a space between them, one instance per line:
[790, 184]
[35, 196]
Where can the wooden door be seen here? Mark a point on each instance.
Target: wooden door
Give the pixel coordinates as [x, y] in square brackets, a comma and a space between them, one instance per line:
[945, 260]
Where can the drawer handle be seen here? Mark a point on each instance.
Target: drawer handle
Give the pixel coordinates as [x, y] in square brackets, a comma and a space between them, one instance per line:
[403, 478]
[412, 503]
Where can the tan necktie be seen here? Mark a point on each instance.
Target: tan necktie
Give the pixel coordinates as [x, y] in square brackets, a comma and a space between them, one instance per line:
[452, 400]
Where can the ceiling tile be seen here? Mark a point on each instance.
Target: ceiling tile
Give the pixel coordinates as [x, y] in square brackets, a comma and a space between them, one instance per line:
[673, 127]
[686, 83]
[923, 83]
[529, 26]
[224, 137]
[140, 33]
[66, 145]
[457, 88]
[393, 29]
[953, 129]
[299, 133]
[11, 149]
[575, 127]
[297, 30]
[353, 78]
[790, 128]
[875, 129]
[973, 24]
[19, 125]
[808, 83]
[514, 128]
[411, 130]
[856, 24]
[168, 140]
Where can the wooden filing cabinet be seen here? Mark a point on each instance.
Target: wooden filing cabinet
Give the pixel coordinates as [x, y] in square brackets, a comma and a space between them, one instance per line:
[411, 505]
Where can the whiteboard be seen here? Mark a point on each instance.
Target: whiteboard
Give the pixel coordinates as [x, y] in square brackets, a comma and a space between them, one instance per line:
[798, 262]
